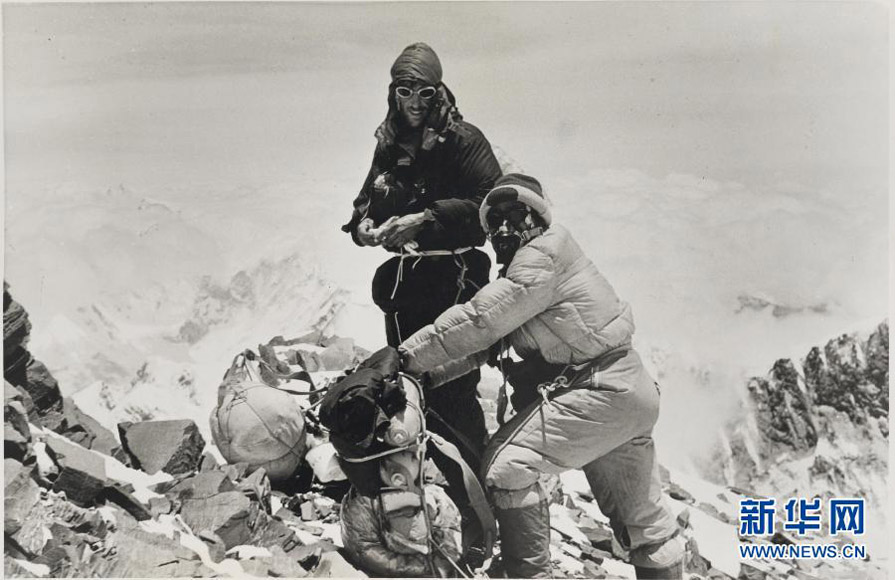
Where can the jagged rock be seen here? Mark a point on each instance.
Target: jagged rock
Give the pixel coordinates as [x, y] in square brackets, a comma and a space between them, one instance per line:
[309, 358]
[16, 432]
[200, 486]
[275, 533]
[840, 377]
[133, 552]
[19, 568]
[236, 471]
[159, 506]
[877, 355]
[230, 515]
[693, 560]
[13, 392]
[594, 570]
[122, 497]
[677, 492]
[324, 506]
[308, 513]
[16, 326]
[69, 421]
[291, 357]
[782, 409]
[209, 462]
[42, 387]
[256, 567]
[257, 487]
[713, 511]
[82, 474]
[325, 463]
[216, 549]
[748, 572]
[20, 494]
[174, 447]
[59, 559]
[338, 354]
[282, 565]
[54, 509]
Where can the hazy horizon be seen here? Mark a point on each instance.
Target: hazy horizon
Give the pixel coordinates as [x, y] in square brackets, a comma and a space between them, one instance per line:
[698, 149]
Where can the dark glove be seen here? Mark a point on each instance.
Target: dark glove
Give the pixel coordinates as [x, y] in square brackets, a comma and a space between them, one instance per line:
[386, 361]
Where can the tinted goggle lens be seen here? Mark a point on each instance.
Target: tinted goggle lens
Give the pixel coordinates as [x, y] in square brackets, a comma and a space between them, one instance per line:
[425, 93]
[515, 217]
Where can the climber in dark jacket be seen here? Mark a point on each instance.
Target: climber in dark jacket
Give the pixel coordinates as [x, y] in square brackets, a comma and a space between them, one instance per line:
[420, 200]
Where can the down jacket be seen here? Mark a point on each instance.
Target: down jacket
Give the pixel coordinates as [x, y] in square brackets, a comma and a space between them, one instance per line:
[449, 182]
[552, 301]
[395, 544]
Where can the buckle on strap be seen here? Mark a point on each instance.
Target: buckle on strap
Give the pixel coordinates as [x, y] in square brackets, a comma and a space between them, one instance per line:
[547, 388]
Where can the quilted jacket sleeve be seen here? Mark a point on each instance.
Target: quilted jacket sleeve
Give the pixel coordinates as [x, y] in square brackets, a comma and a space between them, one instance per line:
[457, 368]
[496, 310]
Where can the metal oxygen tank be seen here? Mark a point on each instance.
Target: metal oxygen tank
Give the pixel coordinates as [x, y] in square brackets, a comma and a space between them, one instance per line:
[402, 469]
[406, 424]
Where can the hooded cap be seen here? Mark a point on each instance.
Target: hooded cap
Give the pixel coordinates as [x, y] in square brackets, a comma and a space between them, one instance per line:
[516, 187]
[417, 62]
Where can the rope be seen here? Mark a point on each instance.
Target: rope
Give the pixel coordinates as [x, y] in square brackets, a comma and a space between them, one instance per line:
[409, 252]
[502, 393]
[448, 558]
[418, 443]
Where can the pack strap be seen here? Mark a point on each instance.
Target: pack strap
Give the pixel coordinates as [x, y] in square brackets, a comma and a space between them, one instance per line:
[474, 491]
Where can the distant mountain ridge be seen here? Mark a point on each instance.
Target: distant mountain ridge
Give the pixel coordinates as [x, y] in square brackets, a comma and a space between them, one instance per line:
[814, 427]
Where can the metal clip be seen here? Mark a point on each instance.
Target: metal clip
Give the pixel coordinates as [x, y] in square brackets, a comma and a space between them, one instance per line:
[547, 388]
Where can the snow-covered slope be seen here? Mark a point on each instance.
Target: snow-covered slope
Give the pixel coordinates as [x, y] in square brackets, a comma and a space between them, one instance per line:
[137, 364]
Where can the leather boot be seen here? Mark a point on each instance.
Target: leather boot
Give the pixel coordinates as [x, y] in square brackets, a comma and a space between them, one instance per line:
[660, 561]
[673, 572]
[525, 541]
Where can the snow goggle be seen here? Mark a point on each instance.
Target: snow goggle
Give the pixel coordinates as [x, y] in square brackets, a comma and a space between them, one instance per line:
[425, 93]
[515, 216]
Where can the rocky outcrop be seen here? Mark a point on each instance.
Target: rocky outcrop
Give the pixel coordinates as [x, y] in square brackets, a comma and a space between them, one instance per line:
[817, 426]
[38, 392]
[851, 375]
[74, 511]
[174, 447]
[783, 410]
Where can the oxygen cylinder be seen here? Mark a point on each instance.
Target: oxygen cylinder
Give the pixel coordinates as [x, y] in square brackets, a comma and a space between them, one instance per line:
[406, 424]
[400, 469]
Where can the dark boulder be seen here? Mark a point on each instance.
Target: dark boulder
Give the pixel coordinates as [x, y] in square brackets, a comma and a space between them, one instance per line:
[42, 387]
[174, 447]
[230, 515]
[16, 326]
[20, 494]
[82, 474]
[16, 432]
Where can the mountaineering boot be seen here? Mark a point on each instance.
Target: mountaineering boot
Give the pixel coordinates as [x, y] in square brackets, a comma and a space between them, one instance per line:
[525, 540]
[662, 560]
[673, 572]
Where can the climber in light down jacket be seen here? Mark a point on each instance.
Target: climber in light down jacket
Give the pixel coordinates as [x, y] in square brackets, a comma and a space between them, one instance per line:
[582, 396]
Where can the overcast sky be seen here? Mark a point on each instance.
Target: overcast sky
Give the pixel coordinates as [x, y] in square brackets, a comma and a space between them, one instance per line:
[158, 93]
[698, 150]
